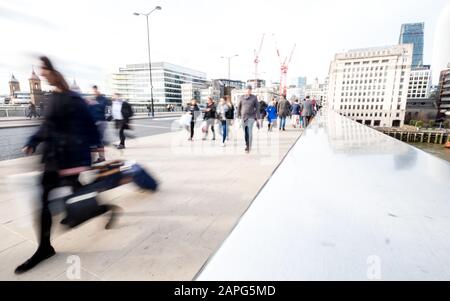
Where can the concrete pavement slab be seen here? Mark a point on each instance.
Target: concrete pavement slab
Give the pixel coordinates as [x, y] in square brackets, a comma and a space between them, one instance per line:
[167, 235]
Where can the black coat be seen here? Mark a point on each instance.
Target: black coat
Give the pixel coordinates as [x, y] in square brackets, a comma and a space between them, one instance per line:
[68, 132]
[194, 110]
[210, 114]
[127, 111]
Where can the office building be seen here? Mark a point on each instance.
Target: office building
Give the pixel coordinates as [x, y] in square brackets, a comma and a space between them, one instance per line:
[419, 83]
[133, 83]
[413, 33]
[370, 85]
[444, 93]
[318, 91]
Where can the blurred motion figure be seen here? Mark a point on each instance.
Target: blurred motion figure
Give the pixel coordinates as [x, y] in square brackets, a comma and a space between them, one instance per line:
[67, 133]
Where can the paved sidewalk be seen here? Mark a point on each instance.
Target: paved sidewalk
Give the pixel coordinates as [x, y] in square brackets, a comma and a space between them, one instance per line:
[167, 235]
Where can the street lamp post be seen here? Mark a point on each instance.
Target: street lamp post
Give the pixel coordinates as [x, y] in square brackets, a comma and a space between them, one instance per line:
[229, 66]
[149, 57]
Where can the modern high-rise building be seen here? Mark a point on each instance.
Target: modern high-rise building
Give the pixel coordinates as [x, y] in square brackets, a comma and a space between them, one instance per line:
[301, 82]
[413, 33]
[133, 83]
[371, 85]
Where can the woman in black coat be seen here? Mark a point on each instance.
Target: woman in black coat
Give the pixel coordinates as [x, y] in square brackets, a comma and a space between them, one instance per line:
[67, 134]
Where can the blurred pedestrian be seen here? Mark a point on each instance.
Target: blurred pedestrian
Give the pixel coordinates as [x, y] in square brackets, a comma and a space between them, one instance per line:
[32, 110]
[283, 111]
[295, 112]
[262, 111]
[194, 110]
[99, 109]
[314, 106]
[67, 132]
[229, 116]
[210, 117]
[248, 112]
[222, 110]
[271, 114]
[307, 111]
[121, 112]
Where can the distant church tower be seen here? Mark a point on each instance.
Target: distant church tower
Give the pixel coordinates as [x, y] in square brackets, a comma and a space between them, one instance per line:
[35, 88]
[14, 86]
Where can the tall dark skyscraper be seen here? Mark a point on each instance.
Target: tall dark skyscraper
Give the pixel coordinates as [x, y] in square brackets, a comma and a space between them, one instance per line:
[413, 33]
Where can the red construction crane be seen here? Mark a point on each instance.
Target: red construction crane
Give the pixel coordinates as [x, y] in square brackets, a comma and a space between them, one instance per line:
[284, 66]
[257, 53]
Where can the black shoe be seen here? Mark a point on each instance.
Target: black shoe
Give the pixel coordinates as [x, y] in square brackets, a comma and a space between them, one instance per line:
[247, 149]
[99, 160]
[113, 218]
[41, 254]
[121, 146]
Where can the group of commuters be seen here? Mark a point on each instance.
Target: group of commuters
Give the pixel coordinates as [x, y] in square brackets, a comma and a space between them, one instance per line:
[250, 112]
[299, 112]
[224, 112]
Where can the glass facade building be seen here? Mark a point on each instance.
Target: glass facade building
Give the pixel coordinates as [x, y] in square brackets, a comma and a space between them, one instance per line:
[133, 82]
[413, 33]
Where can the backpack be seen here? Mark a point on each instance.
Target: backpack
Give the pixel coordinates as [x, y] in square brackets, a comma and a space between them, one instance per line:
[230, 113]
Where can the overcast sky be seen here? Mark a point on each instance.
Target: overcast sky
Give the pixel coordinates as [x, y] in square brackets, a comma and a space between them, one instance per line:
[89, 39]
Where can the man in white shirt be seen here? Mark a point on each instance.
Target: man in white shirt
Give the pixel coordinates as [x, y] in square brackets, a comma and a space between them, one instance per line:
[117, 115]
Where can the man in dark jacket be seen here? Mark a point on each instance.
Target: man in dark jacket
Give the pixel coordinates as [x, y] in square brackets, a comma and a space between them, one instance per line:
[262, 111]
[307, 111]
[67, 134]
[98, 108]
[248, 112]
[283, 109]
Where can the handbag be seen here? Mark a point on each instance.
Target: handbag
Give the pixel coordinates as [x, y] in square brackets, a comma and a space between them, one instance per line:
[185, 119]
[204, 126]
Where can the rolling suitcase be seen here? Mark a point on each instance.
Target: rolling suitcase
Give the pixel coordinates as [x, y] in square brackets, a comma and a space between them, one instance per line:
[82, 205]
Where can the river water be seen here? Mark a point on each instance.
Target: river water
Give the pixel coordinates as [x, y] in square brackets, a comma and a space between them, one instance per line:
[434, 149]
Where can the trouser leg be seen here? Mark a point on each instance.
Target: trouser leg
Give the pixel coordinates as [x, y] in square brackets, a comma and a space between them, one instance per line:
[50, 180]
[250, 132]
[224, 131]
[122, 134]
[246, 136]
[212, 129]
[192, 129]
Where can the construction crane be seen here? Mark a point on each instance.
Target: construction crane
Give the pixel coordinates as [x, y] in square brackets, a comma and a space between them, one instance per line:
[256, 61]
[284, 67]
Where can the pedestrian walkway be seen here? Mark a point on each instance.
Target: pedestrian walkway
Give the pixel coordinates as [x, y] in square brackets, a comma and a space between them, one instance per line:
[168, 235]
